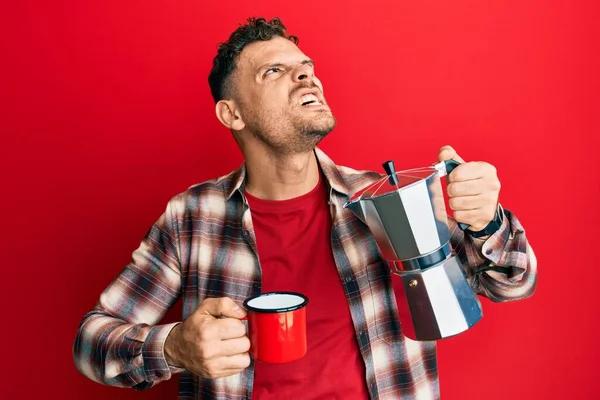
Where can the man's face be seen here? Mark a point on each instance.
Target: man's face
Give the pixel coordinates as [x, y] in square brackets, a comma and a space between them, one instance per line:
[280, 99]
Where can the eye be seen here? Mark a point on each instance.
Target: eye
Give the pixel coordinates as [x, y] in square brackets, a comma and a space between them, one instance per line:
[271, 70]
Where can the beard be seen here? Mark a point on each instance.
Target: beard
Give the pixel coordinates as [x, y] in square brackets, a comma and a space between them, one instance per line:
[315, 129]
[290, 132]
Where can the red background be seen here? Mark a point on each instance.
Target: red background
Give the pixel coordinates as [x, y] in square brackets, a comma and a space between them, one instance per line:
[106, 114]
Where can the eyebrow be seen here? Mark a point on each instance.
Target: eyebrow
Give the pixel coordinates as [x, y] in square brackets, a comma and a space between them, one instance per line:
[278, 64]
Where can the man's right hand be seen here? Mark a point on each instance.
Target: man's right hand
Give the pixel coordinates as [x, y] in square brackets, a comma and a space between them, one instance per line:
[207, 344]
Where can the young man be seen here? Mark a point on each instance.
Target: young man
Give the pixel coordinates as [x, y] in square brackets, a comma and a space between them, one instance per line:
[278, 224]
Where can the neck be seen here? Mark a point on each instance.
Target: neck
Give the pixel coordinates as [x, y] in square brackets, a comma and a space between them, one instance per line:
[281, 177]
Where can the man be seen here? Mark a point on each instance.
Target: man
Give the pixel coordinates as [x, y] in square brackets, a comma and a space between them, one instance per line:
[275, 224]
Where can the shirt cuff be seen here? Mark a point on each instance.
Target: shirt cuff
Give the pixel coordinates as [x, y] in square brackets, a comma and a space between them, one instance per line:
[494, 249]
[493, 246]
[156, 367]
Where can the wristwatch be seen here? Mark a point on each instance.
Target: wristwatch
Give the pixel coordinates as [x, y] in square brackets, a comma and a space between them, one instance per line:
[492, 227]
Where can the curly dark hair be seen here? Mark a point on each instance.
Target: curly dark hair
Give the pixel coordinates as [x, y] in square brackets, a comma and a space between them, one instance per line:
[228, 52]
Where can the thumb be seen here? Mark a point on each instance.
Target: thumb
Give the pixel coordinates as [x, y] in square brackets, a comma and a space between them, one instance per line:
[448, 153]
[221, 307]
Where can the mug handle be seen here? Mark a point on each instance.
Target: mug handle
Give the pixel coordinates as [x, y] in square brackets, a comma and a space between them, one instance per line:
[449, 166]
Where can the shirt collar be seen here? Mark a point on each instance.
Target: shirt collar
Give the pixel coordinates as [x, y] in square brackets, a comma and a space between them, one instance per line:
[333, 177]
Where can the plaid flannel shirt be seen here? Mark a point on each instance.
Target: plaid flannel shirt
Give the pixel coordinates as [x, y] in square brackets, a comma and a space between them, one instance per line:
[204, 246]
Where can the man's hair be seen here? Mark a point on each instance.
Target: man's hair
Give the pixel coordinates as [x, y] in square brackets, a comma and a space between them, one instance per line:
[224, 63]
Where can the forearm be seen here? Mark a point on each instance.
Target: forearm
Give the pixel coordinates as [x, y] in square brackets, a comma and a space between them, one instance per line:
[502, 267]
[114, 352]
[120, 342]
[507, 280]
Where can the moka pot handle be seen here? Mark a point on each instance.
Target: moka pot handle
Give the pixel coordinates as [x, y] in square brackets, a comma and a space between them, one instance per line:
[449, 166]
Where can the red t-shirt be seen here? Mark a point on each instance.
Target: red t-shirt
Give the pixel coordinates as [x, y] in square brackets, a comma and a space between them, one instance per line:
[294, 248]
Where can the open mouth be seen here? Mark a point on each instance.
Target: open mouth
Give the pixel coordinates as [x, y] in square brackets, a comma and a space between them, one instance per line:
[310, 100]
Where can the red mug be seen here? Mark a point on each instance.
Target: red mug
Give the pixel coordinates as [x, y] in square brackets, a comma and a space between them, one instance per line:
[277, 326]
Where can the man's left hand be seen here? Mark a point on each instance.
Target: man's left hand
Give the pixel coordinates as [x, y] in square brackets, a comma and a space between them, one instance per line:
[473, 190]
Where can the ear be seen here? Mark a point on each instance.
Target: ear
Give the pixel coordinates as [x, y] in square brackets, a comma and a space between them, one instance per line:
[228, 113]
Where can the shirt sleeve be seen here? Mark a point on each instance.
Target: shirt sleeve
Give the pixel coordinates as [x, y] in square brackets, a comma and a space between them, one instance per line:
[119, 342]
[501, 267]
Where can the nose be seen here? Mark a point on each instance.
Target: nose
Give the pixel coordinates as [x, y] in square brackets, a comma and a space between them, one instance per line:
[304, 72]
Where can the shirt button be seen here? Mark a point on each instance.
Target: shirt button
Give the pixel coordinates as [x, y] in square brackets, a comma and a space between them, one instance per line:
[488, 251]
[348, 279]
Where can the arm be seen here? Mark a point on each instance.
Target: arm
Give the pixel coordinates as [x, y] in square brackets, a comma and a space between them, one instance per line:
[501, 267]
[118, 342]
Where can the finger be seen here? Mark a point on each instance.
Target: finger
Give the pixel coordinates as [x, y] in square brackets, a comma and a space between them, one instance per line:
[463, 203]
[221, 307]
[237, 361]
[465, 188]
[230, 328]
[232, 347]
[227, 372]
[468, 217]
[473, 170]
[475, 218]
[448, 153]
[215, 369]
